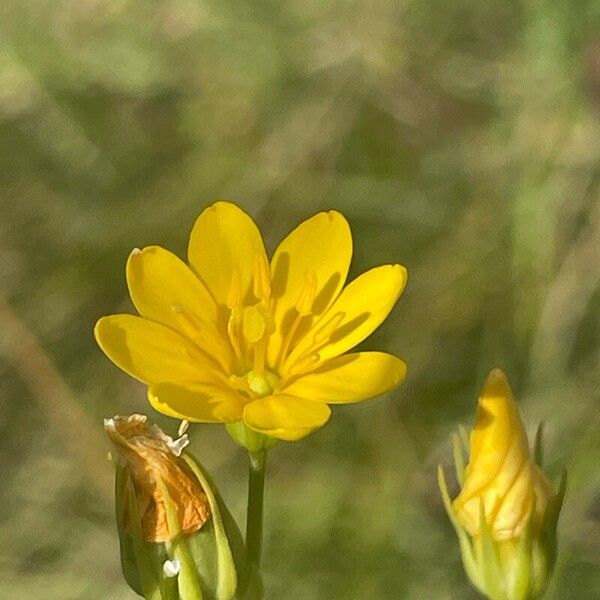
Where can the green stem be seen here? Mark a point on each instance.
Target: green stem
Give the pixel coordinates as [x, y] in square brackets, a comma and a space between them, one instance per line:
[254, 515]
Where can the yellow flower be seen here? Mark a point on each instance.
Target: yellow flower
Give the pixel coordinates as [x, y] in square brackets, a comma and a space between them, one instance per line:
[234, 337]
[501, 474]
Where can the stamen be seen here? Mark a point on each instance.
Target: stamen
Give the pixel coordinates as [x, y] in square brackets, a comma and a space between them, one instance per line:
[304, 309]
[324, 333]
[285, 347]
[192, 320]
[199, 332]
[262, 280]
[234, 298]
[183, 427]
[320, 339]
[239, 383]
[232, 332]
[177, 446]
[254, 325]
[171, 568]
[197, 327]
[307, 295]
[260, 354]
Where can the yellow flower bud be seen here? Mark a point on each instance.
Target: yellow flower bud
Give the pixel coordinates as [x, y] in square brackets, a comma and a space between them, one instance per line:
[506, 512]
[501, 473]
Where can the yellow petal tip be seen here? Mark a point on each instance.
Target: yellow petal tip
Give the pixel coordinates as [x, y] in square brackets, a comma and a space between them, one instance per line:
[496, 385]
[223, 205]
[98, 327]
[333, 215]
[401, 273]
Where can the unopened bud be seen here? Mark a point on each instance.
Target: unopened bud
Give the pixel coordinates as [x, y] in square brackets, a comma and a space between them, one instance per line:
[177, 538]
[506, 513]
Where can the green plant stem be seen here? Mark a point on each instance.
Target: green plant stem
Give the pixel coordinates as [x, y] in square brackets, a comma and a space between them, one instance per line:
[254, 515]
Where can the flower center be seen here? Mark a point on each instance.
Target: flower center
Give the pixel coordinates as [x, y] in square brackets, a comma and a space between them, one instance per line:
[251, 323]
[262, 385]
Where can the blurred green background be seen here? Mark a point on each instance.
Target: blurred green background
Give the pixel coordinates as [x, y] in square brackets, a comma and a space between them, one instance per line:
[460, 138]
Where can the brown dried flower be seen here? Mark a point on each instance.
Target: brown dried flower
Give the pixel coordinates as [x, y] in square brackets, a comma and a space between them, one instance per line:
[151, 457]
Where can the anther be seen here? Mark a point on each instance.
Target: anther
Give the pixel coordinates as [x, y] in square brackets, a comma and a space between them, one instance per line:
[171, 568]
[324, 333]
[232, 332]
[262, 279]
[177, 446]
[183, 427]
[234, 298]
[307, 295]
[253, 324]
[306, 363]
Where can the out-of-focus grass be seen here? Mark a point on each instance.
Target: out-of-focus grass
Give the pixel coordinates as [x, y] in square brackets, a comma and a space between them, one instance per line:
[460, 139]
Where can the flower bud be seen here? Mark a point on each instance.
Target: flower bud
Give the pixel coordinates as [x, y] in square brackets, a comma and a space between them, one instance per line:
[506, 512]
[177, 539]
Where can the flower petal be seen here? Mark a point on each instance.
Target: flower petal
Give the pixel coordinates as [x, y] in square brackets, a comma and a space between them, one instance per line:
[225, 244]
[286, 417]
[150, 351]
[164, 289]
[196, 402]
[350, 378]
[321, 247]
[358, 311]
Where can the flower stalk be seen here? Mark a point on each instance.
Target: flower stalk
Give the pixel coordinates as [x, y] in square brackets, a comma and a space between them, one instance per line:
[254, 516]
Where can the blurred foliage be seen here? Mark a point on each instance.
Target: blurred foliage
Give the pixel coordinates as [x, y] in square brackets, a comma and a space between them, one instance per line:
[461, 139]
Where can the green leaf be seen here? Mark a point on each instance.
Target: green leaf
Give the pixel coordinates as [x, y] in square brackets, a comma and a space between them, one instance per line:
[141, 561]
[126, 546]
[488, 560]
[459, 459]
[464, 438]
[215, 558]
[466, 547]
[522, 583]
